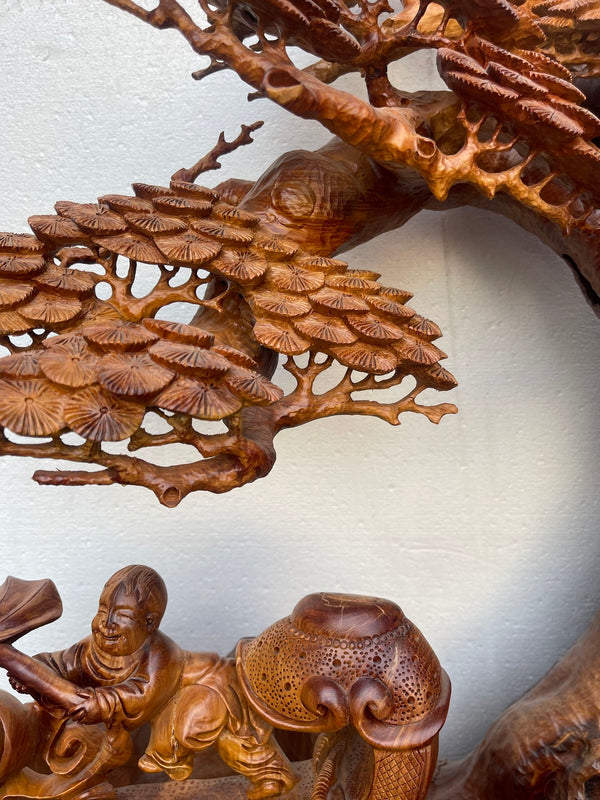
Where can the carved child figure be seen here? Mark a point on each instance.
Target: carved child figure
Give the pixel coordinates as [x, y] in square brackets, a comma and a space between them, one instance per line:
[128, 673]
[127, 668]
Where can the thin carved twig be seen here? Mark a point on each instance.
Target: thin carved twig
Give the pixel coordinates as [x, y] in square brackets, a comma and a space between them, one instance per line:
[214, 66]
[304, 405]
[211, 159]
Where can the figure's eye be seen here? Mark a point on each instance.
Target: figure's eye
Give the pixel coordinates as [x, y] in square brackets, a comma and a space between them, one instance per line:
[125, 615]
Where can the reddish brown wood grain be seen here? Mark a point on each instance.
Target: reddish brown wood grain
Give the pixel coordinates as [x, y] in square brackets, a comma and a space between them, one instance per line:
[353, 669]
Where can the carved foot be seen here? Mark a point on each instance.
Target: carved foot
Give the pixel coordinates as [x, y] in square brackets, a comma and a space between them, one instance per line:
[265, 789]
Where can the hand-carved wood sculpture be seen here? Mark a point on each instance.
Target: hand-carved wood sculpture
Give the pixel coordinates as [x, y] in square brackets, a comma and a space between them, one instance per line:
[352, 669]
[260, 260]
[547, 745]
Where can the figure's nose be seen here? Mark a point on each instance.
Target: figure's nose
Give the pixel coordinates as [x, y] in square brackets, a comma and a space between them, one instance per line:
[109, 623]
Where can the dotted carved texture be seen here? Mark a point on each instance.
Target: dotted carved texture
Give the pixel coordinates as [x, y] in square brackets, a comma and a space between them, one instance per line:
[230, 788]
[280, 661]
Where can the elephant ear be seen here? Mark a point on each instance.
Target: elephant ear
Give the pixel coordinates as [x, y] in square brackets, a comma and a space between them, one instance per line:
[25, 606]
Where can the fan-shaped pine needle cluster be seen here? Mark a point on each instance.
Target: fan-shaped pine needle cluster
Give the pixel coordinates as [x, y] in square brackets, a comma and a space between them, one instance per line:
[96, 367]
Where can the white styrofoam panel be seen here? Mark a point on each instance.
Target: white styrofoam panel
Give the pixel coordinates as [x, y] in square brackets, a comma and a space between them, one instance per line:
[483, 528]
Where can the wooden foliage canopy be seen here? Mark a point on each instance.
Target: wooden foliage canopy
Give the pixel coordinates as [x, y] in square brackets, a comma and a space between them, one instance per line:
[515, 132]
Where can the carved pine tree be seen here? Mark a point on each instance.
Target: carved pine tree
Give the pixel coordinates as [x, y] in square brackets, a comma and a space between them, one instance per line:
[261, 261]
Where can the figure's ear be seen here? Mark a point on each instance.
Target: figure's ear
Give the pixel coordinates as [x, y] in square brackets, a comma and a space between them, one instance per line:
[151, 621]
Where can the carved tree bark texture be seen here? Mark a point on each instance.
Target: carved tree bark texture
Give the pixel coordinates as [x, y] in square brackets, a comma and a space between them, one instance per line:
[260, 261]
[546, 745]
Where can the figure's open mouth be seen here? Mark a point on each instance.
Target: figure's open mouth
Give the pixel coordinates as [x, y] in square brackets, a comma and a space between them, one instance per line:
[114, 638]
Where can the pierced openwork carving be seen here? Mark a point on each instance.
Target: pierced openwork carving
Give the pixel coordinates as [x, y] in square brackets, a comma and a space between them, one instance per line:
[345, 681]
[260, 262]
[352, 669]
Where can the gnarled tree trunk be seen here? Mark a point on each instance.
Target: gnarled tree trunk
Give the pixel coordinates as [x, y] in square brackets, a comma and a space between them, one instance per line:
[546, 746]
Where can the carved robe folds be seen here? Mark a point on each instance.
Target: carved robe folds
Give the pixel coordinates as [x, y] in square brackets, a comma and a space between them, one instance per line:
[191, 700]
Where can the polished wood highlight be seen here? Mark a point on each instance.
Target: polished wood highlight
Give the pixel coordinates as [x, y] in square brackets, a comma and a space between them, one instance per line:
[351, 672]
[259, 262]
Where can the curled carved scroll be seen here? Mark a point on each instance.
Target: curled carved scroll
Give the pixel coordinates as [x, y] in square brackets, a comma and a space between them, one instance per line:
[350, 668]
[371, 704]
[363, 657]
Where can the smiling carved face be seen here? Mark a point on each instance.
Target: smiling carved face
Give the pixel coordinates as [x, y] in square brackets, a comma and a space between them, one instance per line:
[121, 624]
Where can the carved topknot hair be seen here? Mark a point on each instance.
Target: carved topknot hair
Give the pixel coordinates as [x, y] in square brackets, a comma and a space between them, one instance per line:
[143, 582]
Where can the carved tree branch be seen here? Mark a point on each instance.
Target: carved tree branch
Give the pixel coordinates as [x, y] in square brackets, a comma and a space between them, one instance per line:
[547, 744]
[386, 129]
[303, 404]
[385, 134]
[231, 460]
[426, 143]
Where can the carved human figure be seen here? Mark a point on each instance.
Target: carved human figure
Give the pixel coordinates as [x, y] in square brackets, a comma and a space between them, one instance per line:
[127, 669]
[128, 673]
[349, 668]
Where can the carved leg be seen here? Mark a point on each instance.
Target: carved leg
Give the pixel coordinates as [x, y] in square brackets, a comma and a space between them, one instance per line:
[262, 762]
[196, 718]
[191, 722]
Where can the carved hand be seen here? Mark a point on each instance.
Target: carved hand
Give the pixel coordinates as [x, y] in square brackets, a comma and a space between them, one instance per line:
[87, 711]
[17, 685]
